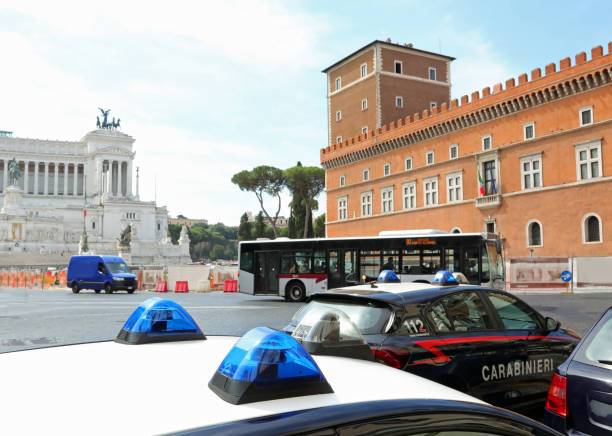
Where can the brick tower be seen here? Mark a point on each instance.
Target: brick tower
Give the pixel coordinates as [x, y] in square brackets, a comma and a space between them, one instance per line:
[383, 82]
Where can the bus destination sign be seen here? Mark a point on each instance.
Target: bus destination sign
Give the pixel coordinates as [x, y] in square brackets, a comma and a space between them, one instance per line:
[420, 241]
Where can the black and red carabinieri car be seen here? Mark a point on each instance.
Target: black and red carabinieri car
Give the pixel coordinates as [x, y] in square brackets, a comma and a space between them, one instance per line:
[485, 342]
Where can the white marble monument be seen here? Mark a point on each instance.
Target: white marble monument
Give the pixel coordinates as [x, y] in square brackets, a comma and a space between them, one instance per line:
[43, 211]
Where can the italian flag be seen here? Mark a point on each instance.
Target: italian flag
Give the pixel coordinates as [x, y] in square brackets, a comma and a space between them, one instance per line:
[480, 184]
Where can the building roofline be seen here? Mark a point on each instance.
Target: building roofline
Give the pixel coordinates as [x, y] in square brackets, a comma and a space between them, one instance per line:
[390, 44]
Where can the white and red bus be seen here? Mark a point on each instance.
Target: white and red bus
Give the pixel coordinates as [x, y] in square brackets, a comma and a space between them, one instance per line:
[296, 268]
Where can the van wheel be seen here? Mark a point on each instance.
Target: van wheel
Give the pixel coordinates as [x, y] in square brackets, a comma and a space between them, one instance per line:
[108, 288]
[97, 291]
[295, 292]
[75, 288]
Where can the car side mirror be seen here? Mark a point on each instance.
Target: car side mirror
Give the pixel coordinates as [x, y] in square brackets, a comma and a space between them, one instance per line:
[552, 324]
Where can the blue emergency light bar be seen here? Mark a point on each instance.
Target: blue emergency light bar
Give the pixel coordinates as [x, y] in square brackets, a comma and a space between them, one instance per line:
[157, 320]
[445, 278]
[387, 276]
[266, 364]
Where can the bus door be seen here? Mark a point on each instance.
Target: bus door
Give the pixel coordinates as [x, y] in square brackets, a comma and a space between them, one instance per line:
[342, 268]
[267, 268]
[471, 265]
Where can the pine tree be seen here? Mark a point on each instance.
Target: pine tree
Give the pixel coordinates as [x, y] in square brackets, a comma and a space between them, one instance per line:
[260, 226]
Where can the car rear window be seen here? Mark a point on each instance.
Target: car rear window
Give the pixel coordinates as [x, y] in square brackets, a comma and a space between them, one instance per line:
[597, 348]
[368, 317]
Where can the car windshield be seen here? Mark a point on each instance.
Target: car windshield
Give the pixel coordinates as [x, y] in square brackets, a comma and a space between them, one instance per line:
[369, 318]
[118, 267]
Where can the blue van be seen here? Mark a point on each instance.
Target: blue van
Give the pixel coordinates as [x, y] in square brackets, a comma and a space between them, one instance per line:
[110, 273]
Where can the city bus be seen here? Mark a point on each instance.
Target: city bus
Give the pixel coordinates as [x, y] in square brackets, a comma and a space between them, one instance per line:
[296, 268]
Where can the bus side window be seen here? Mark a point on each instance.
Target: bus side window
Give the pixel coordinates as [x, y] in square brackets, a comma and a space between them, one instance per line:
[246, 261]
[319, 262]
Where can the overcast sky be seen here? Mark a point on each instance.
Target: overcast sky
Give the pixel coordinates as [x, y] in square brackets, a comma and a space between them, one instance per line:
[209, 88]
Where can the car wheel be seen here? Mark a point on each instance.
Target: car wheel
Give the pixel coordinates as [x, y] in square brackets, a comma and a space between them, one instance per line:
[108, 288]
[130, 291]
[75, 288]
[97, 291]
[295, 292]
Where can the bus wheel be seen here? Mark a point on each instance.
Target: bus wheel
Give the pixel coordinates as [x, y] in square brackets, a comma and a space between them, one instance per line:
[108, 288]
[75, 288]
[295, 292]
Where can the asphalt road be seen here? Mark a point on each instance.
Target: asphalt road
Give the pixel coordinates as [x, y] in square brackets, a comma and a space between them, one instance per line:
[34, 318]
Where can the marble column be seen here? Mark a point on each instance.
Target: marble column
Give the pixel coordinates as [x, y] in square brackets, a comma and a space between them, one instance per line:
[46, 188]
[65, 178]
[75, 178]
[109, 180]
[26, 175]
[128, 175]
[56, 178]
[119, 179]
[36, 178]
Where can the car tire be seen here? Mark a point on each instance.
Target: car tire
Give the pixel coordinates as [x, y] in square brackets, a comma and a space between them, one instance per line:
[130, 291]
[97, 291]
[75, 288]
[295, 292]
[108, 288]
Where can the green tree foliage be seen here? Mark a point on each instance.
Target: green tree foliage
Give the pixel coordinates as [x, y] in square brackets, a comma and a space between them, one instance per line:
[260, 226]
[319, 226]
[305, 183]
[245, 228]
[213, 242]
[263, 180]
[174, 231]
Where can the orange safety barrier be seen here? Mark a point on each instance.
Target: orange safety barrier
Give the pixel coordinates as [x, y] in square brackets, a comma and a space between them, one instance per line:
[161, 286]
[63, 279]
[21, 279]
[5, 278]
[13, 280]
[49, 279]
[181, 286]
[230, 286]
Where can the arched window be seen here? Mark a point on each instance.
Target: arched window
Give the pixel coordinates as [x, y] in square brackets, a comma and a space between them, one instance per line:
[534, 234]
[592, 228]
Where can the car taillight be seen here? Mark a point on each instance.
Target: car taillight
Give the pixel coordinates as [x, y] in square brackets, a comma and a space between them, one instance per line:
[391, 358]
[557, 395]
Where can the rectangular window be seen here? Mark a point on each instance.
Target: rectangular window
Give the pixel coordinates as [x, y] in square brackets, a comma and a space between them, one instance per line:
[339, 139]
[490, 182]
[430, 189]
[342, 208]
[342, 180]
[453, 151]
[486, 142]
[432, 105]
[364, 130]
[366, 174]
[529, 131]
[454, 187]
[338, 83]
[366, 203]
[531, 171]
[387, 169]
[409, 195]
[364, 70]
[338, 115]
[432, 73]
[398, 67]
[586, 116]
[408, 163]
[399, 102]
[364, 104]
[588, 161]
[387, 199]
[430, 157]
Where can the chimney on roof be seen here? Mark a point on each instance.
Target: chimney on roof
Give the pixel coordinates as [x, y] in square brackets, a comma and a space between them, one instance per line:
[388, 39]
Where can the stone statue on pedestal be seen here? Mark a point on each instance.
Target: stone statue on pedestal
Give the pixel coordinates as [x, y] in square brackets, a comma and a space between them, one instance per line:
[126, 236]
[14, 172]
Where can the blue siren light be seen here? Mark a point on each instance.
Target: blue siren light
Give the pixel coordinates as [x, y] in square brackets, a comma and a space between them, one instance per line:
[445, 278]
[266, 364]
[387, 276]
[157, 320]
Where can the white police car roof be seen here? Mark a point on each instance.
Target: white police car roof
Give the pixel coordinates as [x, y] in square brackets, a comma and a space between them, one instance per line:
[393, 288]
[112, 388]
